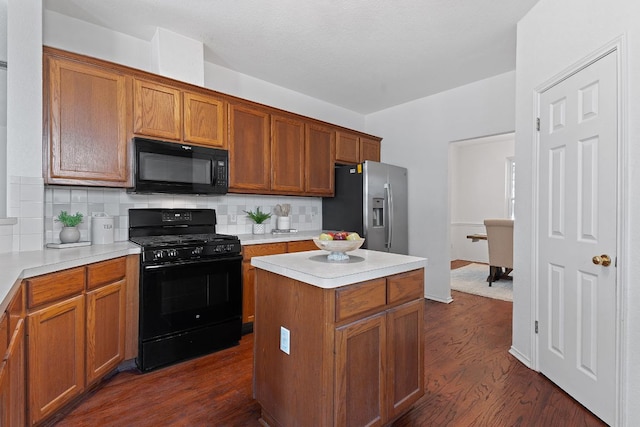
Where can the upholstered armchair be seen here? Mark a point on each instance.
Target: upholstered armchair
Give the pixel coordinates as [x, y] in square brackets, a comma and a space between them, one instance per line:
[500, 242]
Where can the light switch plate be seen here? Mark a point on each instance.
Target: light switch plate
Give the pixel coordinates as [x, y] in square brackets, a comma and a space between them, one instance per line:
[285, 336]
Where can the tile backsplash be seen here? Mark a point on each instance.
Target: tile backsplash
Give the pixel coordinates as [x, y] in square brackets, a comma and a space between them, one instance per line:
[306, 212]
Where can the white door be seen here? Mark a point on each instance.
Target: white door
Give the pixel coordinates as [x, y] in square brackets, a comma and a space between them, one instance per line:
[577, 221]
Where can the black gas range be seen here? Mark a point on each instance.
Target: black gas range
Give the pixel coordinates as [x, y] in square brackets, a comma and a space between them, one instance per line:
[190, 285]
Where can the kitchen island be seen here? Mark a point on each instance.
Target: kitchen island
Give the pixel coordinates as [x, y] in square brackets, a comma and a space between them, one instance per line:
[338, 343]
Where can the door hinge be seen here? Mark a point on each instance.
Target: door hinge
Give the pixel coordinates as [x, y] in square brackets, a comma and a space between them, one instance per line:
[538, 124]
[536, 326]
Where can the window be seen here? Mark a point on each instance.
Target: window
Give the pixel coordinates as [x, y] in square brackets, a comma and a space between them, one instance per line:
[511, 187]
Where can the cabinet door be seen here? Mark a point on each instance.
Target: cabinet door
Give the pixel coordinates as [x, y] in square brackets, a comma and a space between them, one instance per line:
[249, 149]
[204, 121]
[56, 356]
[156, 110]
[369, 150]
[87, 116]
[360, 373]
[319, 160]
[347, 148]
[249, 275]
[287, 154]
[105, 329]
[16, 371]
[248, 292]
[405, 352]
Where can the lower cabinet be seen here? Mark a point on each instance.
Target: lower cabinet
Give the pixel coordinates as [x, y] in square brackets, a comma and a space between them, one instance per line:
[76, 326]
[248, 271]
[12, 381]
[56, 356]
[360, 373]
[355, 355]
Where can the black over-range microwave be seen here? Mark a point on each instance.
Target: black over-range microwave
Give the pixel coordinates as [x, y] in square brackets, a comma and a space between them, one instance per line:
[169, 167]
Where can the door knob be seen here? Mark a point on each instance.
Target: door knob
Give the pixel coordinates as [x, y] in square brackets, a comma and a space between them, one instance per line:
[603, 260]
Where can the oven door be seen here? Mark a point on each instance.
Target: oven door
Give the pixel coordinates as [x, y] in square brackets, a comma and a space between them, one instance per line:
[179, 297]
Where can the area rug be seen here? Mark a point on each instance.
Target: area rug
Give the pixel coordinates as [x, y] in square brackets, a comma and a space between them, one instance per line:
[472, 279]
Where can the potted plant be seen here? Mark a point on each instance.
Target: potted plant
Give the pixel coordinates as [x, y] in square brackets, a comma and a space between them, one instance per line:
[259, 218]
[69, 232]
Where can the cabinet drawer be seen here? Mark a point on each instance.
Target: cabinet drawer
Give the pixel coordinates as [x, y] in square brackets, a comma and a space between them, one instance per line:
[264, 249]
[359, 299]
[104, 272]
[405, 287]
[302, 245]
[55, 286]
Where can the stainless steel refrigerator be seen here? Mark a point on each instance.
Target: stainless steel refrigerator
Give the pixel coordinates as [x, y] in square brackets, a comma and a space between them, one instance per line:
[370, 199]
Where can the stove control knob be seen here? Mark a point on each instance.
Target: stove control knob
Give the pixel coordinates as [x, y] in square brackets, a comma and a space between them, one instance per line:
[197, 251]
[172, 253]
[158, 254]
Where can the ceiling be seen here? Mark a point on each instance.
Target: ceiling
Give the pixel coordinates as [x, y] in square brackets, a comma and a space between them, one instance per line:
[363, 55]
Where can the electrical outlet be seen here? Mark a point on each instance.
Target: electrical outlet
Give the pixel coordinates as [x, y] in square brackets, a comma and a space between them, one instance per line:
[285, 339]
[233, 218]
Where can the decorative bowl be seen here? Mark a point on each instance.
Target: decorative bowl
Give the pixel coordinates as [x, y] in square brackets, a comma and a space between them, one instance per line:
[338, 247]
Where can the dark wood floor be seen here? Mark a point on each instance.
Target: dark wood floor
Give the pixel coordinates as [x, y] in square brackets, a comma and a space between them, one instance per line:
[471, 380]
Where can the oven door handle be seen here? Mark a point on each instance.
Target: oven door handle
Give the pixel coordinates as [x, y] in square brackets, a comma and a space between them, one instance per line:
[192, 262]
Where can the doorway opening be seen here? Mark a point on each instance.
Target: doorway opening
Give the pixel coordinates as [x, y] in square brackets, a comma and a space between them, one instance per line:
[481, 185]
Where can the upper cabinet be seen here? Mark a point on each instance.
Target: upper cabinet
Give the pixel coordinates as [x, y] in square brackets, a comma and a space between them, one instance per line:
[204, 120]
[249, 149]
[85, 116]
[320, 149]
[287, 154]
[353, 148]
[165, 112]
[93, 108]
[157, 110]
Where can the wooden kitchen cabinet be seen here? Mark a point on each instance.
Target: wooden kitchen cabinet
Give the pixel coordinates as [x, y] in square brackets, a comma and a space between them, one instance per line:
[85, 117]
[369, 149]
[320, 147]
[357, 350]
[249, 149]
[204, 120]
[157, 110]
[353, 148]
[170, 113]
[76, 324]
[105, 317]
[12, 366]
[287, 154]
[360, 373]
[301, 246]
[56, 356]
[249, 271]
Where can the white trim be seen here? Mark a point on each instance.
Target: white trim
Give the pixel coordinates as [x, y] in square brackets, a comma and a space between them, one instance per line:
[521, 357]
[618, 46]
[438, 299]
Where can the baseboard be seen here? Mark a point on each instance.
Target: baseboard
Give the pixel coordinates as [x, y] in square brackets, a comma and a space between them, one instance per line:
[521, 357]
[438, 299]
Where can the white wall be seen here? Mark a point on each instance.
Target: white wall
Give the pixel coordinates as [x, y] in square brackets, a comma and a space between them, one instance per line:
[81, 37]
[477, 190]
[417, 136]
[553, 36]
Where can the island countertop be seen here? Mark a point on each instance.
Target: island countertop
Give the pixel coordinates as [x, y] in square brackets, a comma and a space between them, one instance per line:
[312, 267]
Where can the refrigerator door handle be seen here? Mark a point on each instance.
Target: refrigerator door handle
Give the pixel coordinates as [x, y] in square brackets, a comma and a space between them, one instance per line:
[387, 187]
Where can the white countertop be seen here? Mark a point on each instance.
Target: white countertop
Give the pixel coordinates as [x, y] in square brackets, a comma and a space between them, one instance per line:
[257, 239]
[16, 266]
[311, 267]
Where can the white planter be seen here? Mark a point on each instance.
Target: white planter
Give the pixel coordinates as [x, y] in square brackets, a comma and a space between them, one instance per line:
[69, 235]
[258, 228]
